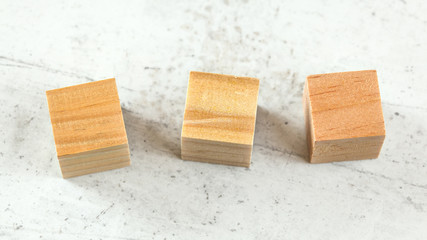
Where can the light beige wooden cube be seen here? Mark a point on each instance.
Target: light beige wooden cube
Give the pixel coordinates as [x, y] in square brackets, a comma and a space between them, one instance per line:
[88, 128]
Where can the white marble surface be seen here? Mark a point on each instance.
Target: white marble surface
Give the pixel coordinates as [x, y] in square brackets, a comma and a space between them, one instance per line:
[150, 47]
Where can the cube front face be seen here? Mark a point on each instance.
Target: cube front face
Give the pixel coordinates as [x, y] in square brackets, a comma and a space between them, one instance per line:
[219, 119]
[88, 128]
[344, 119]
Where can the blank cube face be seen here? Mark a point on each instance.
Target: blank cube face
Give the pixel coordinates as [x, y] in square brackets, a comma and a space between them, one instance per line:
[88, 128]
[219, 119]
[344, 118]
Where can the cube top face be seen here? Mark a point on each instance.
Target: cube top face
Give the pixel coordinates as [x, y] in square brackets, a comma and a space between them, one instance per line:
[345, 105]
[220, 108]
[86, 117]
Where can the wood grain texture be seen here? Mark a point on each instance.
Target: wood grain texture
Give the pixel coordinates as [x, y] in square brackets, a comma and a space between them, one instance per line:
[344, 119]
[88, 127]
[219, 119]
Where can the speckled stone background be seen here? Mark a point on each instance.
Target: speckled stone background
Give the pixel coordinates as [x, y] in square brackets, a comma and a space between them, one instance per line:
[150, 47]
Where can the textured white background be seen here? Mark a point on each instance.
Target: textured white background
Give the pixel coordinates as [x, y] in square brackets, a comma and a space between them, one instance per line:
[150, 47]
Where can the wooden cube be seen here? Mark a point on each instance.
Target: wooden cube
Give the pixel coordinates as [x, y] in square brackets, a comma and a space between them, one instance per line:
[219, 119]
[88, 128]
[343, 114]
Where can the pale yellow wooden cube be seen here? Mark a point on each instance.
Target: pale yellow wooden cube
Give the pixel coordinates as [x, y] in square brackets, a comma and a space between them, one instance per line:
[219, 119]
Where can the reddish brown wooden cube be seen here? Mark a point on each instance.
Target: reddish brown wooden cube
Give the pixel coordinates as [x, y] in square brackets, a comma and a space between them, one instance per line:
[343, 114]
